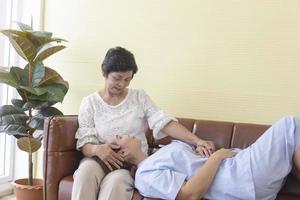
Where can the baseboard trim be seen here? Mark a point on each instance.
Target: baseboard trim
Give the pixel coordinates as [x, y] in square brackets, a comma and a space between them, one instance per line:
[5, 189]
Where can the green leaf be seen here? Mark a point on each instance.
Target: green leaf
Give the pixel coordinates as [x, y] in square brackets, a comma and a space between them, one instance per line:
[38, 73]
[37, 121]
[34, 90]
[13, 119]
[43, 97]
[30, 105]
[41, 34]
[55, 93]
[18, 103]
[52, 92]
[29, 144]
[9, 32]
[20, 75]
[17, 130]
[35, 104]
[58, 40]
[45, 53]
[7, 78]
[22, 44]
[39, 39]
[38, 134]
[10, 109]
[23, 93]
[52, 77]
[24, 27]
[50, 111]
[44, 105]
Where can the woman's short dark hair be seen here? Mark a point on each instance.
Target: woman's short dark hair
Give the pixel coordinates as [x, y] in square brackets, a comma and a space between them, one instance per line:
[118, 59]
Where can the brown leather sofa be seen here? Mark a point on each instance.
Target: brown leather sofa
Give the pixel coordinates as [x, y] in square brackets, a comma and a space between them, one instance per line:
[61, 158]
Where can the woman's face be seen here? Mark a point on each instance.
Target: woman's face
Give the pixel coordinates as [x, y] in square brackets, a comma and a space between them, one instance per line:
[117, 82]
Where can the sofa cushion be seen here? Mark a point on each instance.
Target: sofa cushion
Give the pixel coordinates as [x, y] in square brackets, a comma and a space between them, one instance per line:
[291, 186]
[65, 188]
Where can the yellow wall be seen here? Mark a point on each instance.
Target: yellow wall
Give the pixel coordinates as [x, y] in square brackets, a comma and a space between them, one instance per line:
[222, 60]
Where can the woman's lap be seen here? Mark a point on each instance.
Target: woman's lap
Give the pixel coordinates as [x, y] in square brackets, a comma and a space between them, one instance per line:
[91, 176]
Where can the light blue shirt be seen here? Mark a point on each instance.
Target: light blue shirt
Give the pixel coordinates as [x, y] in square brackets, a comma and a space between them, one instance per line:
[163, 173]
[256, 172]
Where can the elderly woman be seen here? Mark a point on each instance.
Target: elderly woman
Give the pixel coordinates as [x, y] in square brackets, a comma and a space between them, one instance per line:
[257, 172]
[118, 110]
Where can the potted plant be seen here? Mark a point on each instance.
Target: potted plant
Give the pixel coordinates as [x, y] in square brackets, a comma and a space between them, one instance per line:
[39, 87]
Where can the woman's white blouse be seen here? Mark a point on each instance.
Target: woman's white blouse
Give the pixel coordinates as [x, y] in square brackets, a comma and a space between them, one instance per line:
[98, 121]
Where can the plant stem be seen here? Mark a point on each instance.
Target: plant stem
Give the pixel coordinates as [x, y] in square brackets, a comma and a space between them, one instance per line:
[30, 166]
[29, 74]
[30, 112]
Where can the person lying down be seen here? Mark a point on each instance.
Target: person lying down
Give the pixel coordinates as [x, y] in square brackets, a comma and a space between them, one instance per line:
[176, 171]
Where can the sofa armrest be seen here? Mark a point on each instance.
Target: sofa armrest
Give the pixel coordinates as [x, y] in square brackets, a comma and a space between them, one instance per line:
[296, 173]
[61, 158]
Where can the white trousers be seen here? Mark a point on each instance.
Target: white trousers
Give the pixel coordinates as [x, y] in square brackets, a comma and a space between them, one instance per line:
[91, 183]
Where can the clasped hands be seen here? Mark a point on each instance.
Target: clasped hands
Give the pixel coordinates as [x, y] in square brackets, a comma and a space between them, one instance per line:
[108, 154]
[205, 148]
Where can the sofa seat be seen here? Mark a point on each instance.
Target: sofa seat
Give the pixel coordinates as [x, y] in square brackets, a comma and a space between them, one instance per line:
[65, 185]
[286, 194]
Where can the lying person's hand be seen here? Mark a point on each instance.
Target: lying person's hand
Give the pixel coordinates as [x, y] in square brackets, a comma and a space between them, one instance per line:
[205, 148]
[224, 153]
[110, 158]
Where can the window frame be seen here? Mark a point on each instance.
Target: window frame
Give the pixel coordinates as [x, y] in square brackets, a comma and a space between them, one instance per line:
[13, 10]
[7, 150]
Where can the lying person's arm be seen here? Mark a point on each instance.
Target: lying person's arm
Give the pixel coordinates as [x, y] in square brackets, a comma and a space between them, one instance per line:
[197, 186]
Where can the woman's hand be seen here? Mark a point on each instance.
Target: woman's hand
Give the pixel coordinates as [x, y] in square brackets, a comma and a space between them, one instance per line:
[205, 148]
[110, 158]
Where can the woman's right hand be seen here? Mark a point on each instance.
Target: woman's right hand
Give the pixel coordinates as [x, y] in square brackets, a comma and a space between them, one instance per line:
[110, 158]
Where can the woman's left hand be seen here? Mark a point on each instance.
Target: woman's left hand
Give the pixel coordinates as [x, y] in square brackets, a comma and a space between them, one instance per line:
[205, 148]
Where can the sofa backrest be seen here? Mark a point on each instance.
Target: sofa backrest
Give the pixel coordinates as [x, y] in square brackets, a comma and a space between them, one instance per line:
[244, 135]
[224, 134]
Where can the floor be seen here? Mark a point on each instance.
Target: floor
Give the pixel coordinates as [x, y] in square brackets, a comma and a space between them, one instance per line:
[10, 197]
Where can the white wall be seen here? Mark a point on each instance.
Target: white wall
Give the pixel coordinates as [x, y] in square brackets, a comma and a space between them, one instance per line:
[222, 60]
